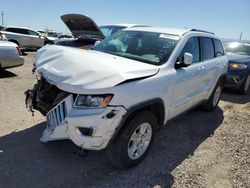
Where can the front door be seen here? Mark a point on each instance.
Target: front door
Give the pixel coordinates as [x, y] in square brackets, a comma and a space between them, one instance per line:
[188, 80]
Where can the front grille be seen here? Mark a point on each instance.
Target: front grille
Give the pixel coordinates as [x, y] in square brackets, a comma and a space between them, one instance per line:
[56, 116]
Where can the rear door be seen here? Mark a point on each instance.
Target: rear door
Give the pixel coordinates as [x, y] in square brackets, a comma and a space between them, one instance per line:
[34, 39]
[210, 64]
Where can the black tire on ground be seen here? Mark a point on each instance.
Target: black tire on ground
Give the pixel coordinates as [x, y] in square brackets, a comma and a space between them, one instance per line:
[212, 103]
[118, 151]
[245, 86]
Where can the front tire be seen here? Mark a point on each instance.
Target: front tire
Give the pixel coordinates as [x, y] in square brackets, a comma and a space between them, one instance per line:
[214, 99]
[134, 141]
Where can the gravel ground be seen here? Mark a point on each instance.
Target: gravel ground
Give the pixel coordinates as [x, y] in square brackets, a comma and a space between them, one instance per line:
[196, 150]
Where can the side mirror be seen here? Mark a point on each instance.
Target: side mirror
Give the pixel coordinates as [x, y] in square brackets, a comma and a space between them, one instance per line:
[187, 59]
[96, 43]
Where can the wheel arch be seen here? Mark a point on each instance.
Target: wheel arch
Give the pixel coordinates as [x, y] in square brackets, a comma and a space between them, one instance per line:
[156, 106]
[222, 79]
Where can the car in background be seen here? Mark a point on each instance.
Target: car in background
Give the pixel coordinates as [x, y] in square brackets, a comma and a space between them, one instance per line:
[239, 65]
[108, 30]
[41, 32]
[51, 37]
[3, 37]
[65, 36]
[10, 55]
[86, 32]
[24, 37]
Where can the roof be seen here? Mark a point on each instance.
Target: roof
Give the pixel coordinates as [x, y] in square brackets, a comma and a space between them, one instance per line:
[124, 25]
[173, 31]
[19, 27]
[160, 30]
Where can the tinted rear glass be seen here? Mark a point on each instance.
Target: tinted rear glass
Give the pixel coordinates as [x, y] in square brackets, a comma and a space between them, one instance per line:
[207, 48]
[219, 51]
[17, 30]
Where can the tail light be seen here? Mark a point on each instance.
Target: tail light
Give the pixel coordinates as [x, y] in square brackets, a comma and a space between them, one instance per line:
[19, 50]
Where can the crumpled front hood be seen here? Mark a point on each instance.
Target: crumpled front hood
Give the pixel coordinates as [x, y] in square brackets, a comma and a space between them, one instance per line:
[76, 70]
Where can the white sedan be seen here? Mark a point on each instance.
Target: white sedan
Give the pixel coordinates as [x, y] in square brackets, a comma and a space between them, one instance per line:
[10, 55]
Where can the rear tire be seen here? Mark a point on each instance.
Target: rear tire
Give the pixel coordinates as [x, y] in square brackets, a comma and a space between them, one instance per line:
[134, 141]
[245, 86]
[214, 99]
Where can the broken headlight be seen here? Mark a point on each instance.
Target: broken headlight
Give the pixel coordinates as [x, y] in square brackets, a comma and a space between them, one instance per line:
[92, 101]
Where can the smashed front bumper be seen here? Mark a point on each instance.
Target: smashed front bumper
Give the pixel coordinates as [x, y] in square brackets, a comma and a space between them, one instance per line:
[88, 128]
[235, 79]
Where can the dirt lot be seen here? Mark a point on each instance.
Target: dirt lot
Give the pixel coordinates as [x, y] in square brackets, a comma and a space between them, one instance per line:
[196, 150]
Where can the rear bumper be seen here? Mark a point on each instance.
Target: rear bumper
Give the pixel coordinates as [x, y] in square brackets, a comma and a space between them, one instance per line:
[100, 127]
[11, 62]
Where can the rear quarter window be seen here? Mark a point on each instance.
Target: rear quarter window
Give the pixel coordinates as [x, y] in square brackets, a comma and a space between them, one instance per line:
[207, 48]
[218, 48]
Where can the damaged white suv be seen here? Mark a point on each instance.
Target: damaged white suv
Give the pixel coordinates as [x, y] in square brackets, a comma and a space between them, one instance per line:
[117, 95]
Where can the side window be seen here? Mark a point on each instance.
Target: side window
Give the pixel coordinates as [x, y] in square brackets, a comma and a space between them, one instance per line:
[33, 33]
[207, 48]
[17, 30]
[24, 31]
[219, 51]
[192, 47]
[12, 30]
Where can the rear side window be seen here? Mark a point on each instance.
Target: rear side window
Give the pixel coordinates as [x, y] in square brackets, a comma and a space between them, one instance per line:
[33, 33]
[219, 51]
[192, 47]
[207, 48]
[17, 30]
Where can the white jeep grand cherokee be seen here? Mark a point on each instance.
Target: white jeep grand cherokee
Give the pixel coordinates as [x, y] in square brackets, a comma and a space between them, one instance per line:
[117, 95]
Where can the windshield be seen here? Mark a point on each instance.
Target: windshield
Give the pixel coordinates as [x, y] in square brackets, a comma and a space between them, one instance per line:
[109, 30]
[147, 47]
[238, 48]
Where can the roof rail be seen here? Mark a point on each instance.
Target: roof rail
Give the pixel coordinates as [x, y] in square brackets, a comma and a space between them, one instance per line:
[198, 30]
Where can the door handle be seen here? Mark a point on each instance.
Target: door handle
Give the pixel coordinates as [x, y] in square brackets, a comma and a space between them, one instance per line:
[201, 68]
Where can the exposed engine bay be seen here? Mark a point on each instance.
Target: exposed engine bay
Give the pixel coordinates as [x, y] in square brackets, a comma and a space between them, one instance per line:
[44, 96]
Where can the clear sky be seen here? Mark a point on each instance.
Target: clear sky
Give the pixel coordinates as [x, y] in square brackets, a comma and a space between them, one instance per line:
[227, 18]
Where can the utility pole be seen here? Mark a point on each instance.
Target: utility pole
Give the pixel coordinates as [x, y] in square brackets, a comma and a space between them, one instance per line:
[240, 35]
[2, 14]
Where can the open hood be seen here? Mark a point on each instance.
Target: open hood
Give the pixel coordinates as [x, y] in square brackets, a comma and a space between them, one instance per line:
[76, 70]
[81, 25]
